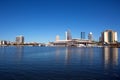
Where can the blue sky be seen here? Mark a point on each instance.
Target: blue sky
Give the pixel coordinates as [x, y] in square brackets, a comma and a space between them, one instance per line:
[42, 20]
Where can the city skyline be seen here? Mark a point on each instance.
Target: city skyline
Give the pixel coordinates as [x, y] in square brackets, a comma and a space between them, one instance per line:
[42, 20]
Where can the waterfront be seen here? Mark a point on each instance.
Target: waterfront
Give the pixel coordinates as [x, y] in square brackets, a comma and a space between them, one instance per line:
[59, 63]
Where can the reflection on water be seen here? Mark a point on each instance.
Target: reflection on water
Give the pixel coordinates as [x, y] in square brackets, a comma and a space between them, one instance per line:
[110, 56]
[59, 63]
[90, 56]
[80, 54]
[2, 52]
[19, 53]
[57, 54]
[11, 53]
[67, 55]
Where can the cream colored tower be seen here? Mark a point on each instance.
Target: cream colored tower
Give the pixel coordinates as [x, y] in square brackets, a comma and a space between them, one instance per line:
[109, 36]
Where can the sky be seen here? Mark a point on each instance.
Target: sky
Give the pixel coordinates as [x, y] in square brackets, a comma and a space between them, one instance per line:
[42, 20]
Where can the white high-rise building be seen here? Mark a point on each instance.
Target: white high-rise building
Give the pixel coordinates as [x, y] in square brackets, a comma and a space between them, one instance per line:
[68, 35]
[116, 38]
[109, 36]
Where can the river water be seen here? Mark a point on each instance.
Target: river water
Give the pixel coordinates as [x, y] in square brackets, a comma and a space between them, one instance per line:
[59, 63]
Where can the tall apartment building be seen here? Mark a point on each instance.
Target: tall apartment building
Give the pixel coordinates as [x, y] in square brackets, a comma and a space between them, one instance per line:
[20, 39]
[109, 36]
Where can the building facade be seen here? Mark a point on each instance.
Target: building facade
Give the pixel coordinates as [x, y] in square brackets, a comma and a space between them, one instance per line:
[82, 35]
[20, 40]
[68, 35]
[90, 36]
[57, 38]
[109, 36]
[3, 42]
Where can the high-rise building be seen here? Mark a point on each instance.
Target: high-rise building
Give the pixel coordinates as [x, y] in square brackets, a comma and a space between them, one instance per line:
[68, 35]
[57, 38]
[3, 42]
[20, 39]
[109, 36]
[82, 35]
[90, 36]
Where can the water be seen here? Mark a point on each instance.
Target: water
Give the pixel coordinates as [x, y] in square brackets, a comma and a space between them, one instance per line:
[59, 63]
